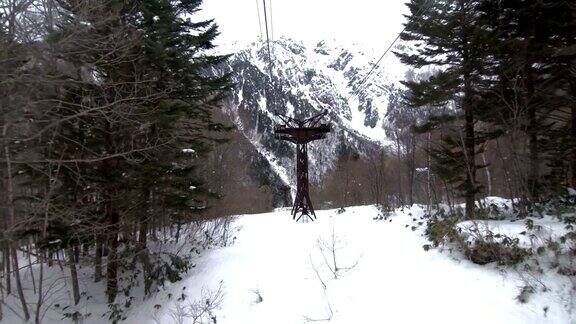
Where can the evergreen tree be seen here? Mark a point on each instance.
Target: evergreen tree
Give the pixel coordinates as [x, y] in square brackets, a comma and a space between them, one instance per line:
[530, 88]
[446, 35]
[148, 96]
[174, 49]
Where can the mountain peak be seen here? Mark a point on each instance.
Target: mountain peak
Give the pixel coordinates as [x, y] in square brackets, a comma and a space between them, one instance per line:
[307, 80]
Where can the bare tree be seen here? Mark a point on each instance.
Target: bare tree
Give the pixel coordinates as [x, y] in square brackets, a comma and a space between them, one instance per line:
[329, 250]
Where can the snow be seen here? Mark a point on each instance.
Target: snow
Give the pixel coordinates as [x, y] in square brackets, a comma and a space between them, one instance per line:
[275, 164]
[275, 272]
[315, 77]
[395, 279]
[255, 140]
[393, 72]
[547, 227]
[290, 67]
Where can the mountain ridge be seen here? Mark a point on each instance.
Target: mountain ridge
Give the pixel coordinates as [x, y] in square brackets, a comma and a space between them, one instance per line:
[305, 82]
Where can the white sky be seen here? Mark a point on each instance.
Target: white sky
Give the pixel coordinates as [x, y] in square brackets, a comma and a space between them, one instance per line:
[372, 23]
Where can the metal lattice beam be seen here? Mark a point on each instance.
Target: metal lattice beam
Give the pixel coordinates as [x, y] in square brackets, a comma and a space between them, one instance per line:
[302, 132]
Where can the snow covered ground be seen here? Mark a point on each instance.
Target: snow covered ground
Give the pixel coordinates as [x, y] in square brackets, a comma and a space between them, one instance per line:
[279, 271]
[269, 276]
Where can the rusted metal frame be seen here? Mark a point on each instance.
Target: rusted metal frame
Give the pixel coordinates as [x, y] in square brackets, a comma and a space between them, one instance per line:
[301, 132]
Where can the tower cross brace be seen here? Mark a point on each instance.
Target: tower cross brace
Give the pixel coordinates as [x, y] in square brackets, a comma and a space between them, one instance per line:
[302, 132]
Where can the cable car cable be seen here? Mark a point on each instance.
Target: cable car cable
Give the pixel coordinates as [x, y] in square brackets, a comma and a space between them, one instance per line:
[270, 63]
[259, 19]
[375, 66]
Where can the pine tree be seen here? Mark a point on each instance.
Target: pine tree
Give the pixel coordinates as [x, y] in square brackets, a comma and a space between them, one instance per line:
[446, 35]
[148, 96]
[174, 50]
[531, 85]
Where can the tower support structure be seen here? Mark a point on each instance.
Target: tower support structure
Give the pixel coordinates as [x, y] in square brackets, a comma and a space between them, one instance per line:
[302, 132]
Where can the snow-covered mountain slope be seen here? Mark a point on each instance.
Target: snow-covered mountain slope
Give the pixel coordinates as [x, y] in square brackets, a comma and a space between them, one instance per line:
[278, 272]
[308, 80]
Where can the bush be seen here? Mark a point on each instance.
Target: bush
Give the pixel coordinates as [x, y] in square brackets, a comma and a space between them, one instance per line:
[525, 294]
[490, 212]
[485, 248]
[439, 231]
[384, 211]
[506, 252]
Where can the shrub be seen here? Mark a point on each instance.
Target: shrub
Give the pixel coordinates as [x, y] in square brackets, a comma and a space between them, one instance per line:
[485, 247]
[505, 252]
[439, 231]
[490, 212]
[525, 294]
[384, 211]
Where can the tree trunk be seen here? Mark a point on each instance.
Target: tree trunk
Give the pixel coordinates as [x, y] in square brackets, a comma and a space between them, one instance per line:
[42, 259]
[76, 253]
[143, 234]
[533, 170]
[1, 300]
[469, 133]
[29, 254]
[448, 196]
[142, 250]
[10, 224]
[573, 132]
[59, 261]
[507, 174]
[19, 282]
[8, 271]
[178, 228]
[40, 300]
[470, 156]
[73, 275]
[488, 175]
[411, 169]
[112, 267]
[399, 178]
[533, 177]
[98, 258]
[50, 258]
[7, 220]
[428, 174]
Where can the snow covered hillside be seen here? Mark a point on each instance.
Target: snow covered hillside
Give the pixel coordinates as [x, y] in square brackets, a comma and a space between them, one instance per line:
[347, 267]
[308, 80]
[279, 271]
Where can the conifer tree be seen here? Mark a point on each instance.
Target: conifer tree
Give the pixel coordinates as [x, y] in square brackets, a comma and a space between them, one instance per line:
[147, 95]
[531, 85]
[447, 36]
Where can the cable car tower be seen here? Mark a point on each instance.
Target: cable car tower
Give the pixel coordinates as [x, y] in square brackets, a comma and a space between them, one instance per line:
[302, 132]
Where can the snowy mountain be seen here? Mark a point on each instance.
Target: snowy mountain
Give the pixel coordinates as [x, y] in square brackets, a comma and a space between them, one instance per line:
[306, 81]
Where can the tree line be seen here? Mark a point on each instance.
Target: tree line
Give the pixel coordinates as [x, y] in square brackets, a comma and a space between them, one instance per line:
[488, 107]
[494, 89]
[107, 111]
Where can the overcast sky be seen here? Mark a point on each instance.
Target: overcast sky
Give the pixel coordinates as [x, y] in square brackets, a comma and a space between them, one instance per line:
[373, 23]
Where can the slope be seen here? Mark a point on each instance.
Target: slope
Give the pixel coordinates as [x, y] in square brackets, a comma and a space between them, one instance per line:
[276, 273]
